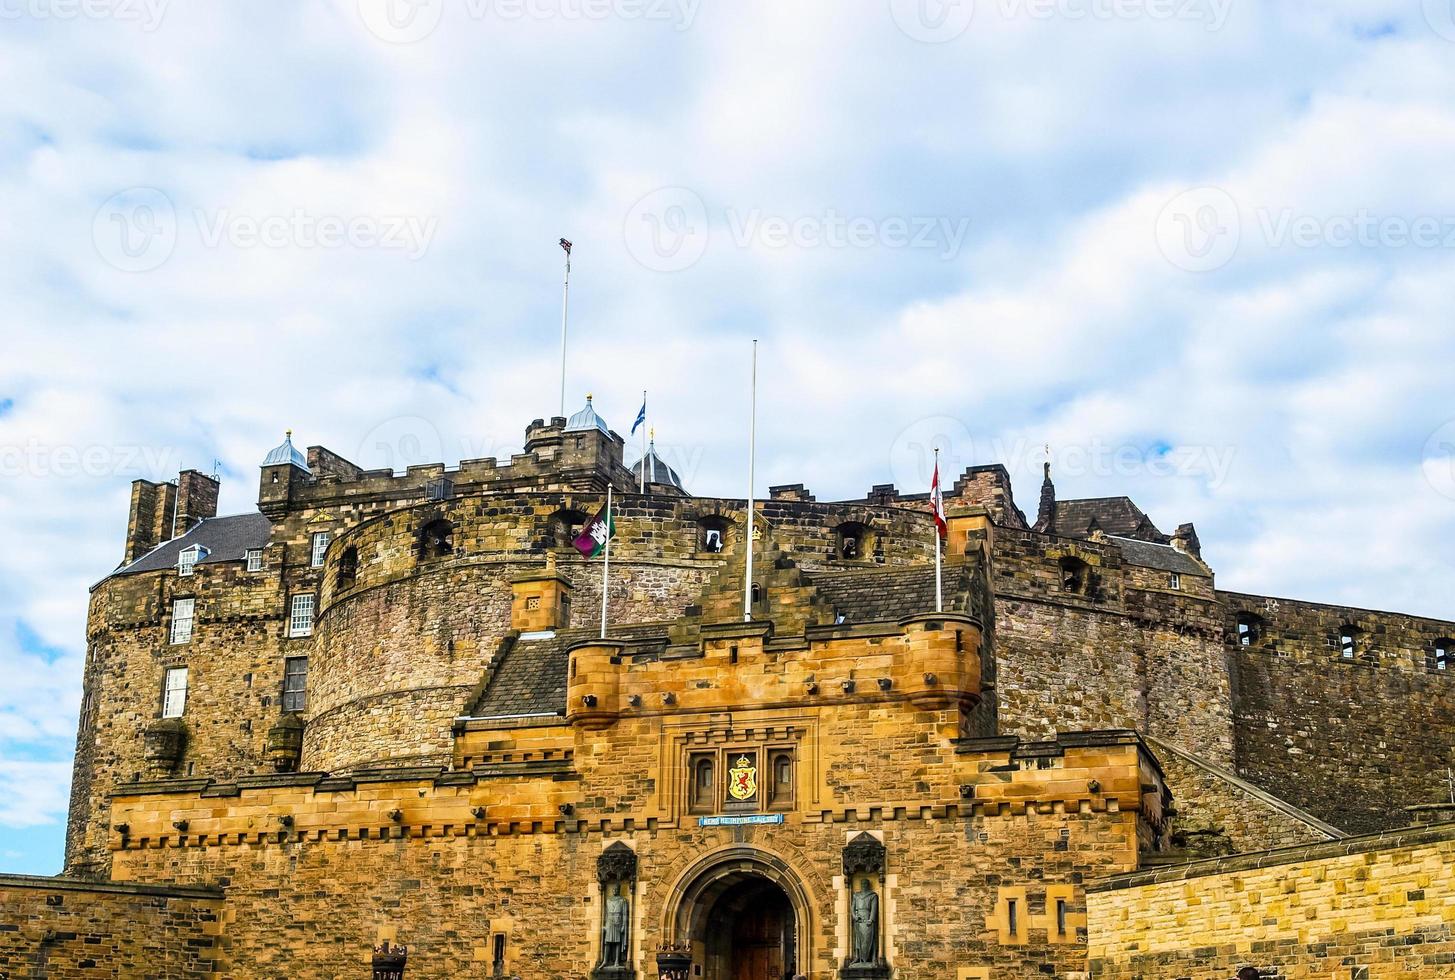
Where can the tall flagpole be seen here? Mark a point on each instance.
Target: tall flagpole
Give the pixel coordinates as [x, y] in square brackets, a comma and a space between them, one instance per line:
[606, 563]
[565, 302]
[644, 447]
[935, 529]
[752, 455]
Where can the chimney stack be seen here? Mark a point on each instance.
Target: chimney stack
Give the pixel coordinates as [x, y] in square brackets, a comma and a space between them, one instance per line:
[196, 500]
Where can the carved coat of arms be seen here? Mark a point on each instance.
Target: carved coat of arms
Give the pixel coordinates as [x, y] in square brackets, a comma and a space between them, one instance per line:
[743, 779]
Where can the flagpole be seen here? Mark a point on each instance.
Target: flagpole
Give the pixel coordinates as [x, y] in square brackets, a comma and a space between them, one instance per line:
[644, 446]
[752, 455]
[565, 302]
[606, 563]
[935, 530]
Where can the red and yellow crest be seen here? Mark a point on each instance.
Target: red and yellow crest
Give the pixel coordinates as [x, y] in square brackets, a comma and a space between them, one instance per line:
[743, 779]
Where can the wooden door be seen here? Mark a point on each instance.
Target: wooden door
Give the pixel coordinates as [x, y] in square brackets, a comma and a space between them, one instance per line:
[761, 938]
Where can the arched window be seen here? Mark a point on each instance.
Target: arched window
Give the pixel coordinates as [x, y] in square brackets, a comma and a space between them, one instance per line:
[702, 792]
[1250, 630]
[348, 568]
[1348, 642]
[1440, 657]
[437, 539]
[1075, 575]
[852, 542]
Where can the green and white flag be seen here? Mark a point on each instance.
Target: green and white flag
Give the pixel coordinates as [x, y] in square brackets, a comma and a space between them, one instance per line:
[592, 539]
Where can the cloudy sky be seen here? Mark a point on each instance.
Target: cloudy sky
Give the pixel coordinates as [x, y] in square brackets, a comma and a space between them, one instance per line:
[1205, 249]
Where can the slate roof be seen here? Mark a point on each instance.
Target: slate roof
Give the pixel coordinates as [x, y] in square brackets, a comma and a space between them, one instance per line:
[587, 419]
[225, 538]
[1114, 515]
[531, 677]
[286, 453]
[657, 470]
[1160, 556]
[878, 595]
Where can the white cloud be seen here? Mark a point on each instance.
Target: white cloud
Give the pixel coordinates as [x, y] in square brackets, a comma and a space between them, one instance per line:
[1322, 371]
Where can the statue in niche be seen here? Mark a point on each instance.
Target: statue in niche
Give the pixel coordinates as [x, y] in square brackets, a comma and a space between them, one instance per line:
[864, 913]
[616, 870]
[616, 926]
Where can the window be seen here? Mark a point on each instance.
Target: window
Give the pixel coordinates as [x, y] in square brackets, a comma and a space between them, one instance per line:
[851, 541]
[702, 793]
[174, 692]
[564, 526]
[1174, 580]
[320, 548]
[1074, 575]
[440, 489]
[1348, 642]
[182, 620]
[254, 558]
[1444, 649]
[437, 539]
[300, 615]
[712, 533]
[1012, 916]
[780, 791]
[1250, 630]
[189, 557]
[348, 567]
[1060, 916]
[295, 684]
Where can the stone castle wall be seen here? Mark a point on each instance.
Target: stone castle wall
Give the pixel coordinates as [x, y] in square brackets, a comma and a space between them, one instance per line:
[74, 930]
[1380, 907]
[445, 864]
[1353, 741]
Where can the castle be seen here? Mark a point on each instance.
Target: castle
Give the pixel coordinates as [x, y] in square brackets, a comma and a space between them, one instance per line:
[375, 725]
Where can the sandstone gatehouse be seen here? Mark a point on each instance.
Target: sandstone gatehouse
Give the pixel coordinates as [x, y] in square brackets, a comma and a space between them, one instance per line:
[373, 727]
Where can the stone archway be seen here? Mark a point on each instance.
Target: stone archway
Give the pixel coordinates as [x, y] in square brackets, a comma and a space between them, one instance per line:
[745, 914]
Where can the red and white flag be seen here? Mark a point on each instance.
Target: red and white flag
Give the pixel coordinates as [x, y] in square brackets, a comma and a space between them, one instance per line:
[937, 502]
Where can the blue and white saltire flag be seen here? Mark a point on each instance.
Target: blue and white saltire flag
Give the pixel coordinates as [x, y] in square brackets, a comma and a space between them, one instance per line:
[641, 416]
